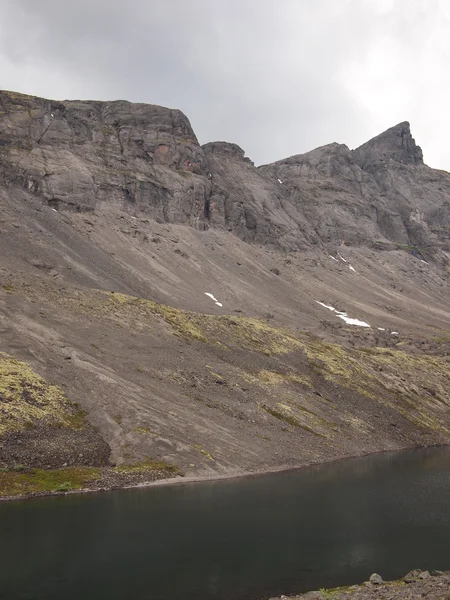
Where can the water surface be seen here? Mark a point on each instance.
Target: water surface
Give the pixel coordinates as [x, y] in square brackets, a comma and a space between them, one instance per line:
[238, 539]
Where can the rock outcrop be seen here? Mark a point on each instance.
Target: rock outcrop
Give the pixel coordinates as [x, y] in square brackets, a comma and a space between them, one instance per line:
[146, 160]
[420, 585]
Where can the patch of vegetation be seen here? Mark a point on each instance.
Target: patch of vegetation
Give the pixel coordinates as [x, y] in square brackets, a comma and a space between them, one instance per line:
[143, 430]
[408, 248]
[282, 416]
[225, 331]
[9, 288]
[27, 399]
[32, 481]
[183, 323]
[285, 413]
[276, 378]
[203, 451]
[390, 377]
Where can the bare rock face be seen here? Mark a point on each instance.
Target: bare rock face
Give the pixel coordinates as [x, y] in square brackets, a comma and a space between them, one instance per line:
[146, 160]
[396, 144]
[253, 206]
[380, 195]
[87, 155]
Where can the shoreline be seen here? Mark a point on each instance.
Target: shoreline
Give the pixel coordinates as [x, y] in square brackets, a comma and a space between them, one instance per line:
[192, 479]
[416, 584]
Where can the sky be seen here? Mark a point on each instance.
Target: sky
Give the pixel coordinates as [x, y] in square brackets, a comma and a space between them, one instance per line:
[276, 77]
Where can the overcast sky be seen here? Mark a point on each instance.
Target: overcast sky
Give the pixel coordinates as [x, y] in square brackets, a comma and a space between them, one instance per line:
[277, 77]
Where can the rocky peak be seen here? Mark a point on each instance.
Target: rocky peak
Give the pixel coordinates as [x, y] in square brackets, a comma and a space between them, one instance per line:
[226, 149]
[145, 159]
[395, 143]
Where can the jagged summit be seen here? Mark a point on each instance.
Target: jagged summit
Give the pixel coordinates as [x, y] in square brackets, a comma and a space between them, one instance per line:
[89, 156]
[396, 143]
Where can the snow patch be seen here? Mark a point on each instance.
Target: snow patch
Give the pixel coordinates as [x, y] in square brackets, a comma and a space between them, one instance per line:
[333, 258]
[279, 181]
[52, 115]
[54, 209]
[344, 316]
[351, 321]
[394, 333]
[381, 329]
[213, 298]
[326, 305]
[424, 262]
[351, 268]
[341, 257]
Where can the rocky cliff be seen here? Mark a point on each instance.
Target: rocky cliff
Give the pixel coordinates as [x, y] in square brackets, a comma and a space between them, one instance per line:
[146, 160]
[166, 303]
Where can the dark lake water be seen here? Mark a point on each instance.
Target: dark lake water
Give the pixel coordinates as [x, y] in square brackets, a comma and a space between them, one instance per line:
[239, 539]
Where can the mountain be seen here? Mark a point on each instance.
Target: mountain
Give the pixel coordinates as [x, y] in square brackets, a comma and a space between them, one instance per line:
[169, 306]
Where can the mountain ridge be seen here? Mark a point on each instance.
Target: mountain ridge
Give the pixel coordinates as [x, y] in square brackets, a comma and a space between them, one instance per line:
[195, 185]
[207, 314]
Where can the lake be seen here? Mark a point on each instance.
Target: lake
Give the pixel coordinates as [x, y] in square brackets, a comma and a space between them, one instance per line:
[236, 539]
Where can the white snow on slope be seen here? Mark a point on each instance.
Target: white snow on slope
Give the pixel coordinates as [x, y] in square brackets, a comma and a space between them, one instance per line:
[424, 262]
[326, 305]
[381, 329]
[333, 258]
[341, 257]
[213, 298]
[279, 181]
[350, 321]
[394, 333]
[344, 316]
[351, 268]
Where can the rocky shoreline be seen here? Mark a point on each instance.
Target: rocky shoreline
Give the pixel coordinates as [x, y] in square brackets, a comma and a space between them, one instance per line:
[417, 584]
[152, 474]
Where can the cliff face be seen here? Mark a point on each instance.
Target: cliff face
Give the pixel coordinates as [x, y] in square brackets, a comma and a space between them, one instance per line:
[146, 160]
[380, 195]
[206, 313]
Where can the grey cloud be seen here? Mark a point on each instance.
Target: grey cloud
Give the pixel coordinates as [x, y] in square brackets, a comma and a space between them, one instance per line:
[260, 73]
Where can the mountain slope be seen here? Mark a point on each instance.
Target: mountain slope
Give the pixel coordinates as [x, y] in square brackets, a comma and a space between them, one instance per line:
[112, 213]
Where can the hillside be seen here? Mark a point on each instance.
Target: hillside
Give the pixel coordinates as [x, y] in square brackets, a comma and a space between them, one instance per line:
[170, 308]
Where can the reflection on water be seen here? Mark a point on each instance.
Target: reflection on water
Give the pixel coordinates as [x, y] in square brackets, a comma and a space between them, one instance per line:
[233, 540]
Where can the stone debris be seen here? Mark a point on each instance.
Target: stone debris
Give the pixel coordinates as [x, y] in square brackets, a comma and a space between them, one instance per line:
[416, 584]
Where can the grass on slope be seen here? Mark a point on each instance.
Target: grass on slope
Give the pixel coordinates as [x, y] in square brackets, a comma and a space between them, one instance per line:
[18, 481]
[417, 386]
[26, 398]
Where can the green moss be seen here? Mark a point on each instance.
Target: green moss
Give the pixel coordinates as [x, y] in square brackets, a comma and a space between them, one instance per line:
[26, 399]
[407, 248]
[9, 289]
[286, 413]
[143, 430]
[203, 451]
[276, 378]
[182, 322]
[289, 419]
[15, 483]
[390, 377]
